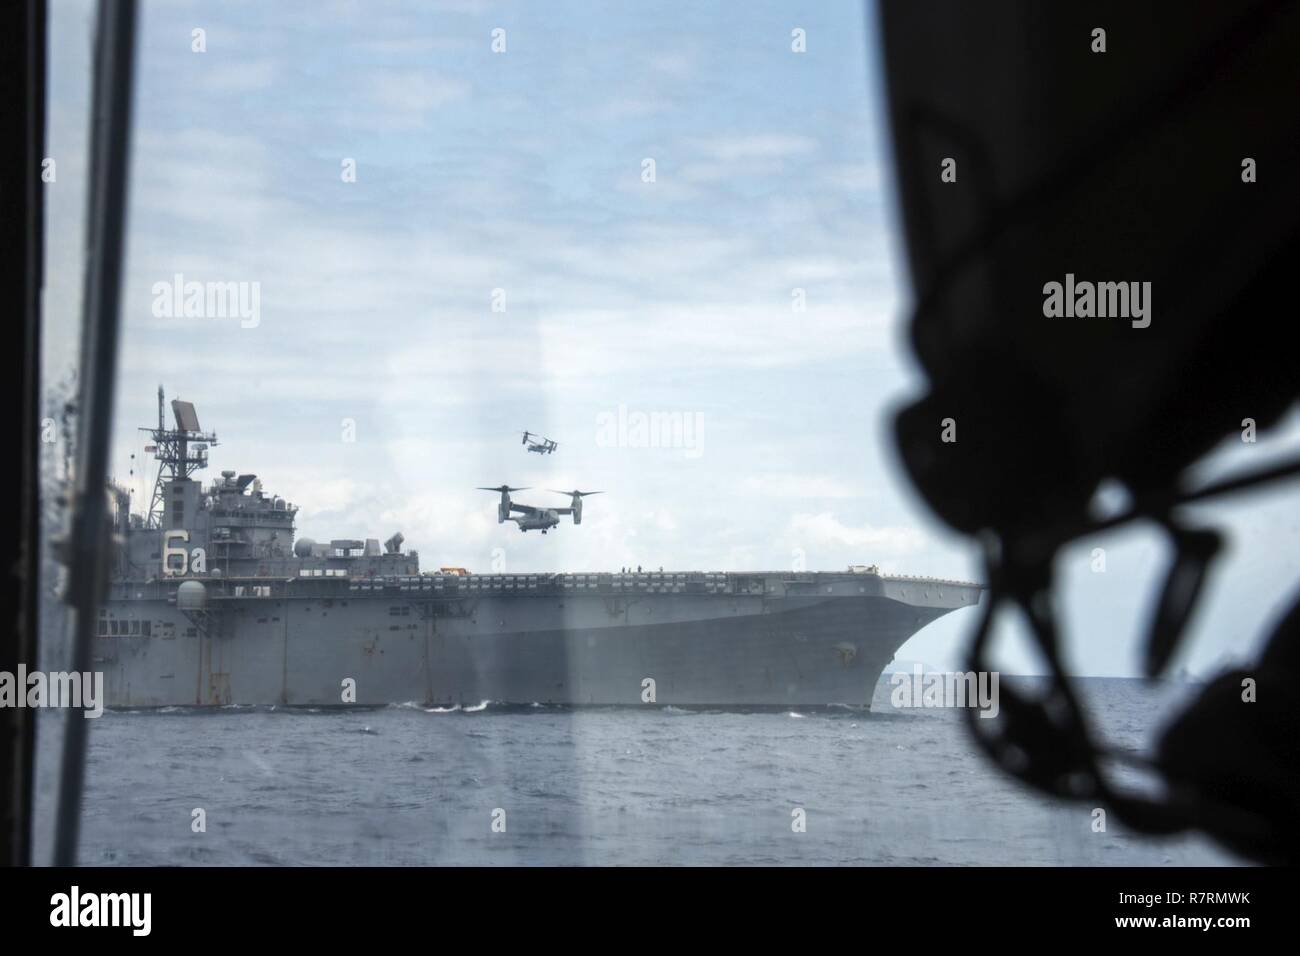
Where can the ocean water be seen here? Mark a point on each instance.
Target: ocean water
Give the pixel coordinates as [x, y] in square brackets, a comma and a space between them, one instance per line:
[405, 785]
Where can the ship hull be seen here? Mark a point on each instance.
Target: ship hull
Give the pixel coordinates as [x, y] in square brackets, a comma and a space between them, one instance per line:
[706, 650]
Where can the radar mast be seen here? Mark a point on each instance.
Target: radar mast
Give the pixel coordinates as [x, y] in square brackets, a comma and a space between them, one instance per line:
[180, 451]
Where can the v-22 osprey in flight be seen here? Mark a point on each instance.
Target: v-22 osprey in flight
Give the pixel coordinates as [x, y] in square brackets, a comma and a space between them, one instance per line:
[530, 518]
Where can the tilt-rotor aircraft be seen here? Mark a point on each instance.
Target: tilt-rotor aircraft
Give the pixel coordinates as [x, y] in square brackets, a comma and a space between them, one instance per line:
[543, 446]
[537, 519]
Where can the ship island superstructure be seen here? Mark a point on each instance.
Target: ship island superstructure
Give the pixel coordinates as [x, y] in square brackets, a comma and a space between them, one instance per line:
[213, 602]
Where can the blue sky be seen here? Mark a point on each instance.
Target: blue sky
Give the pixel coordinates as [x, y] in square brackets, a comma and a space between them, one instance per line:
[522, 171]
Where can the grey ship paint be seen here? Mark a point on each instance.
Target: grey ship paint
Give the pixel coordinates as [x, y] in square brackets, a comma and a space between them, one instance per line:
[214, 603]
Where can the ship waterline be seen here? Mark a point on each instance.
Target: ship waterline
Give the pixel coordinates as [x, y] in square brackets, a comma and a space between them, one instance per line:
[726, 640]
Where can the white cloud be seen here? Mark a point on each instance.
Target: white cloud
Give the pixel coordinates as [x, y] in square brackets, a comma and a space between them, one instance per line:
[790, 485]
[853, 178]
[402, 99]
[825, 532]
[677, 64]
[759, 146]
[238, 77]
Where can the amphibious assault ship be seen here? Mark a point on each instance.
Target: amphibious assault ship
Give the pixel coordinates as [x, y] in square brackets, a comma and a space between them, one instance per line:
[213, 602]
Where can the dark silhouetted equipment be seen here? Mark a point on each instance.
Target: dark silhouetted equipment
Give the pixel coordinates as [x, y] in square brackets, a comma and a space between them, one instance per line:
[1170, 158]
